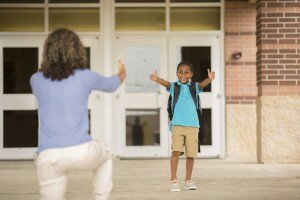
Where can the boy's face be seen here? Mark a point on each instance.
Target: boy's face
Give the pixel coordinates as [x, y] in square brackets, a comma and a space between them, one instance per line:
[184, 73]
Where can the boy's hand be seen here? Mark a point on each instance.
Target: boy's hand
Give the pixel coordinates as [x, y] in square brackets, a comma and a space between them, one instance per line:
[122, 70]
[211, 75]
[153, 77]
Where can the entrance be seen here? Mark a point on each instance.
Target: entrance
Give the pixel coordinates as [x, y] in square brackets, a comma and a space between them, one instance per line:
[20, 57]
[142, 129]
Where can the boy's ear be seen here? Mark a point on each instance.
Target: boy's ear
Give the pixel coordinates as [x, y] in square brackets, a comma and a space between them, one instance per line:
[192, 74]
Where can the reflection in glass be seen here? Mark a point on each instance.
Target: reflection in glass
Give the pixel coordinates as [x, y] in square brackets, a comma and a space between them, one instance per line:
[140, 62]
[20, 129]
[205, 127]
[142, 128]
[21, 19]
[19, 64]
[79, 19]
[140, 19]
[193, 19]
[200, 57]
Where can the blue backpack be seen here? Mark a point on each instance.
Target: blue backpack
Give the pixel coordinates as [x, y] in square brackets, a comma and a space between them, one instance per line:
[172, 103]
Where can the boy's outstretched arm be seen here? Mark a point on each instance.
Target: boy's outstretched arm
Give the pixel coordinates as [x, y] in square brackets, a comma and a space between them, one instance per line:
[207, 81]
[154, 77]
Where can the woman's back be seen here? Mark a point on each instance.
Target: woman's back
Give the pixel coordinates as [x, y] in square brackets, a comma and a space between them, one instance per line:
[63, 112]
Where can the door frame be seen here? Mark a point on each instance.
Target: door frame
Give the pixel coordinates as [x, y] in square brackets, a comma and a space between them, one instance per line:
[17, 101]
[28, 101]
[159, 99]
[213, 100]
[216, 42]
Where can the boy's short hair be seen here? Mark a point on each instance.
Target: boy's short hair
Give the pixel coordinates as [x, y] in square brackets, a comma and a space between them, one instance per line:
[185, 63]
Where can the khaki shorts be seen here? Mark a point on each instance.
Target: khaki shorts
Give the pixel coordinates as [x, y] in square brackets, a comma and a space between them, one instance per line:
[184, 136]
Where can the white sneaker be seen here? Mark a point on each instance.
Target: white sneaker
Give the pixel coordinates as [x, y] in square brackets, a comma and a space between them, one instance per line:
[175, 186]
[190, 185]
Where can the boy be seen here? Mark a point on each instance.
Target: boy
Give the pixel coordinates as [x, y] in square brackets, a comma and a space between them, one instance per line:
[185, 123]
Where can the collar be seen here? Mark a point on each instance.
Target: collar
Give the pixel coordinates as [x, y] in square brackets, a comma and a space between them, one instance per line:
[179, 83]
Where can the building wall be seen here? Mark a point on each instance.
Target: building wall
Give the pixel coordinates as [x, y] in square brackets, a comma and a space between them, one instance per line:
[278, 79]
[241, 89]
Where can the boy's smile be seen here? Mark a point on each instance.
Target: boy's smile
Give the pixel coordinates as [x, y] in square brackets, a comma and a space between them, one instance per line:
[184, 73]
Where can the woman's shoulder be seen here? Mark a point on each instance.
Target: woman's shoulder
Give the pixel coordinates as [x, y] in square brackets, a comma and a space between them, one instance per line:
[85, 72]
[36, 75]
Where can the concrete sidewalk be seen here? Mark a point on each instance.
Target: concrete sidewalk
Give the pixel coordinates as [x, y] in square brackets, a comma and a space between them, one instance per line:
[149, 179]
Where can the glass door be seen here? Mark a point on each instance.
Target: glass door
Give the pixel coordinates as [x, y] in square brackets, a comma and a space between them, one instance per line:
[142, 127]
[20, 57]
[203, 53]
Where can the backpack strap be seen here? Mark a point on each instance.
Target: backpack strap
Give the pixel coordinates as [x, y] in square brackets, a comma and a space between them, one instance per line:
[193, 93]
[195, 97]
[175, 95]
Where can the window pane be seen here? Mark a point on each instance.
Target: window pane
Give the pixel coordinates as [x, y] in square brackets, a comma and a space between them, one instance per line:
[140, 62]
[21, 19]
[74, 1]
[80, 19]
[140, 19]
[192, 19]
[21, 1]
[200, 59]
[205, 127]
[19, 64]
[20, 129]
[195, 1]
[140, 1]
[142, 128]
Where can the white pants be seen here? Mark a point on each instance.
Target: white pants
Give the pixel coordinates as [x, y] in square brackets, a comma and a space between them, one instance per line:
[54, 164]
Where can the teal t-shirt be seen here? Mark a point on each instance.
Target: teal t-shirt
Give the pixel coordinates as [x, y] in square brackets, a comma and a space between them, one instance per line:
[185, 113]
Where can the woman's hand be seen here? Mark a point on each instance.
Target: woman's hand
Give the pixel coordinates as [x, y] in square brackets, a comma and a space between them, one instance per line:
[211, 75]
[122, 70]
[153, 77]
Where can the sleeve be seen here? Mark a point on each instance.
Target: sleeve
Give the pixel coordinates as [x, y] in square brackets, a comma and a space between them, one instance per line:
[198, 89]
[171, 89]
[32, 83]
[102, 83]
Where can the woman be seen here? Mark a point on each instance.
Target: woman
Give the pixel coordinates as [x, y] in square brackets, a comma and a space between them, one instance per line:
[62, 87]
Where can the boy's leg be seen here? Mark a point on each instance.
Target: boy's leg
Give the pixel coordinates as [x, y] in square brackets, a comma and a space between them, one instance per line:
[174, 164]
[177, 147]
[191, 150]
[189, 168]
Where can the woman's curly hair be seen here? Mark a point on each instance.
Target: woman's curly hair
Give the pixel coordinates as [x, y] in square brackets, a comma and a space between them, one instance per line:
[63, 52]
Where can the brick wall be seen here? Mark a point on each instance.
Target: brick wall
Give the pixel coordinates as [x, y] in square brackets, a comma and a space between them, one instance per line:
[278, 80]
[241, 88]
[240, 35]
[278, 43]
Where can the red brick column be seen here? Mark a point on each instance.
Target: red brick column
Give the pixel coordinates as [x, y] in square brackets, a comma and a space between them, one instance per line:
[278, 81]
[240, 35]
[241, 89]
[278, 45]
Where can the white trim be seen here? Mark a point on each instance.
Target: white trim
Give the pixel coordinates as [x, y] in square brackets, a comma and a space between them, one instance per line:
[107, 62]
[150, 100]
[1, 97]
[17, 101]
[208, 99]
[46, 16]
